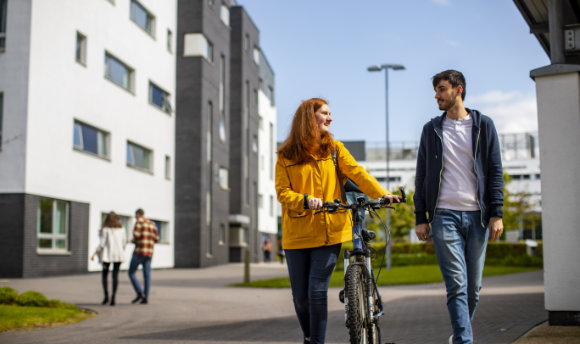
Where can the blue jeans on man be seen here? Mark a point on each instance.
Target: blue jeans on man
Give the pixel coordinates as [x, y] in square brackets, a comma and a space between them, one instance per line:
[310, 270]
[137, 260]
[460, 243]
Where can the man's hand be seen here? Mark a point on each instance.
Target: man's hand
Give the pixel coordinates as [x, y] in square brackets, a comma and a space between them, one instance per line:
[392, 199]
[495, 228]
[422, 231]
[314, 203]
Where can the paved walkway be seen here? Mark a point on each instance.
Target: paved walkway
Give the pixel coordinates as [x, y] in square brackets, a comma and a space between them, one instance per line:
[196, 306]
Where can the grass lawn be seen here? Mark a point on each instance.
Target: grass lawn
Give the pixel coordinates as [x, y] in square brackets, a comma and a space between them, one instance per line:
[412, 274]
[21, 318]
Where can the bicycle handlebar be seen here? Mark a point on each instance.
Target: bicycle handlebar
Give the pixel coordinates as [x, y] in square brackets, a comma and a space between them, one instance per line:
[378, 203]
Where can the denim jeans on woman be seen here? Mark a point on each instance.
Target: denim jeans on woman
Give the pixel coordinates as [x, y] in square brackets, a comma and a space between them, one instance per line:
[137, 260]
[460, 242]
[310, 270]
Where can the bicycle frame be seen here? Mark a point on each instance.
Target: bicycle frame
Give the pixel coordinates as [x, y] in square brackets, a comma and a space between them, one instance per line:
[360, 249]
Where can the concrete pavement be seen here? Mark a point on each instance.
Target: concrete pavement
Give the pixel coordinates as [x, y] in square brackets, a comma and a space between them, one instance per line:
[196, 306]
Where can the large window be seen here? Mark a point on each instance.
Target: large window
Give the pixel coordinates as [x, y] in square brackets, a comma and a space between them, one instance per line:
[143, 18]
[159, 98]
[52, 225]
[223, 178]
[225, 14]
[125, 222]
[81, 49]
[89, 139]
[139, 157]
[3, 14]
[162, 230]
[118, 72]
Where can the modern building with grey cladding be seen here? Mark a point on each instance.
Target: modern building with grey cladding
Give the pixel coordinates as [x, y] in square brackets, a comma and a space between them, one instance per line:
[216, 176]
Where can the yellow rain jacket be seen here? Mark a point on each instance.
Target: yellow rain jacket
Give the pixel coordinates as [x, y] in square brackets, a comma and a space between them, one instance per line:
[318, 178]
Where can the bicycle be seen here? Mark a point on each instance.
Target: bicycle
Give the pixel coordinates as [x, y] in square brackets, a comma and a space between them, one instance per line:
[361, 297]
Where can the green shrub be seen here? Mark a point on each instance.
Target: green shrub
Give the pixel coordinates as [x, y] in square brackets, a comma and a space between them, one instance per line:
[33, 298]
[55, 303]
[8, 295]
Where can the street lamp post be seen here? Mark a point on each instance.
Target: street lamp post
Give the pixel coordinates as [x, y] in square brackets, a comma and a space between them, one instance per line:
[378, 68]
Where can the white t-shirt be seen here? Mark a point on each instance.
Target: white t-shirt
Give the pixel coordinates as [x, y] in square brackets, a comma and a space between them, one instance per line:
[458, 189]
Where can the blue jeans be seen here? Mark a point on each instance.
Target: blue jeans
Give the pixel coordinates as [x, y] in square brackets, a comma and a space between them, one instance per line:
[460, 242]
[137, 260]
[310, 270]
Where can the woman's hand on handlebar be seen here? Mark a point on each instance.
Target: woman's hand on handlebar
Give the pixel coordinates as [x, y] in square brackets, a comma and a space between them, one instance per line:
[314, 203]
[391, 199]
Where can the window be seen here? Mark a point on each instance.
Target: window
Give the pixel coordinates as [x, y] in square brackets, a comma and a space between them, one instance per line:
[139, 157]
[209, 53]
[247, 42]
[159, 98]
[260, 201]
[118, 72]
[223, 178]
[81, 49]
[167, 167]
[1, 116]
[225, 15]
[162, 230]
[143, 18]
[257, 55]
[209, 136]
[169, 41]
[209, 238]
[222, 85]
[222, 234]
[125, 221]
[89, 139]
[52, 225]
[3, 14]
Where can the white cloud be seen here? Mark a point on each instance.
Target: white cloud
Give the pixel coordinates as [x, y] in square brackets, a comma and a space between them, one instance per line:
[512, 112]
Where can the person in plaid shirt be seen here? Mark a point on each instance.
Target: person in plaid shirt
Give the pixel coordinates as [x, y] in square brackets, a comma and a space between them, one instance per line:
[144, 236]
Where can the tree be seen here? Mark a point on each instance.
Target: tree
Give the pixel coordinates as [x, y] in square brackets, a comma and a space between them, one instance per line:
[518, 209]
[402, 220]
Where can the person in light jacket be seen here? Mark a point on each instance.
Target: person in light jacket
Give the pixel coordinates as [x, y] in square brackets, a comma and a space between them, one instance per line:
[111, 249]
[306, 176]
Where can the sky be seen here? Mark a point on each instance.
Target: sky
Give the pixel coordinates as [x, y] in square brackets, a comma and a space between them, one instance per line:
[322, 48]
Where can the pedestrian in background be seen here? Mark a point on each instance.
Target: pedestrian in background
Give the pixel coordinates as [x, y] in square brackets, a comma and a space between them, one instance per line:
[307, 176]
[459, 196]
[267, 248]
[144, 236]
[111, 249]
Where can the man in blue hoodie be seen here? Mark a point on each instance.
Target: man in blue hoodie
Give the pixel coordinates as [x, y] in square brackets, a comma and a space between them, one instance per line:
[459, 196]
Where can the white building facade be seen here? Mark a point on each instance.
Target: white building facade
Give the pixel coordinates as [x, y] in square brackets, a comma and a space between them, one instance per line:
[267, 199]
[87, 128]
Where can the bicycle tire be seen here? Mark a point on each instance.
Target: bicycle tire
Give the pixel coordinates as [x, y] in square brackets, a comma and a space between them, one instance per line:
[356, 305]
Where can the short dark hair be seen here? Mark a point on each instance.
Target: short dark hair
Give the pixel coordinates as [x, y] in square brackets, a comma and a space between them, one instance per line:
[454, 77]
[139, 212]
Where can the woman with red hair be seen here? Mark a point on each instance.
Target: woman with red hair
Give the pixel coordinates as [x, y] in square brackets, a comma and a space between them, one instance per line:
[307, 176]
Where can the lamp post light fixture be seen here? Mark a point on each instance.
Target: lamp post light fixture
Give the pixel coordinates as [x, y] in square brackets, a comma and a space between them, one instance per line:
[378, 68]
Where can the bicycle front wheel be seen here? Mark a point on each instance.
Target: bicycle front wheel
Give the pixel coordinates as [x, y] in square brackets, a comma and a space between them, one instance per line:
[355, 282]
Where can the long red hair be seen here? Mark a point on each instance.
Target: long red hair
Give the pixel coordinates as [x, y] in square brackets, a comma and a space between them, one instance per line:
[305, 138]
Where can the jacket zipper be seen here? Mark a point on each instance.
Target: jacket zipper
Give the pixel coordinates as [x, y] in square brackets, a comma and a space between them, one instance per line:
[440, 174]
[476, 177]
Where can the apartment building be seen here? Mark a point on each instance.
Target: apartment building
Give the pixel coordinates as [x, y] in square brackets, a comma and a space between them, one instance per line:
[87, 126]
[223, 80]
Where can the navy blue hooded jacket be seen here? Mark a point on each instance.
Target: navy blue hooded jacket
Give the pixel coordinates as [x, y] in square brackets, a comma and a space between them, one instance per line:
[487, 168]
